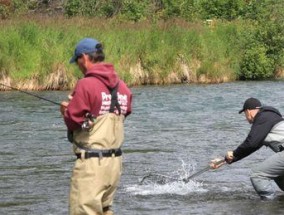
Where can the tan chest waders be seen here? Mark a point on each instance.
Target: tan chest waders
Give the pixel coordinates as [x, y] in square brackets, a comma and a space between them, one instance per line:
[107, 133]
[98, 167]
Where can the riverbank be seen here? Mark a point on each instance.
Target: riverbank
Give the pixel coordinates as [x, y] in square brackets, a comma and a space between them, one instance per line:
[35, 51]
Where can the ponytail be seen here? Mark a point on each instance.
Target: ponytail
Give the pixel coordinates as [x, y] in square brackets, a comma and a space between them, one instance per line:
[98, 55]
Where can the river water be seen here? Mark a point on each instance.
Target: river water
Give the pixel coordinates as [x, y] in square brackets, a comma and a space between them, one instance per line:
[174, 130]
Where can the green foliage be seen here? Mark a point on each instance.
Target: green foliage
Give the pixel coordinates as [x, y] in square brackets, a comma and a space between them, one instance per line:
[81, 7]
[244, 36]
[4, 11]
[129, 9]
[158, 9]
[264, 45]
[270, 31]
[190, 9]
[20, 5]
[255, 64]
[34, 49]
[16, 7]
[138, 10]
[220, 52]
[30, 51]
[72, 8]
[172, 8]
[109, 8]
[134, 10]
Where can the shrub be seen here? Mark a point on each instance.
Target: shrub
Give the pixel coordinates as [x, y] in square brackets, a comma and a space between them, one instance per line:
[72, 7]
[271, 31]
[5, 8]
[134, 10]
[255, 64]
[81, 7]
[224, 9]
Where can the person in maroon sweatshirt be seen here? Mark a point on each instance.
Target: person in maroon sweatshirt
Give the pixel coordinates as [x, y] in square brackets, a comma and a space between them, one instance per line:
[94, 116]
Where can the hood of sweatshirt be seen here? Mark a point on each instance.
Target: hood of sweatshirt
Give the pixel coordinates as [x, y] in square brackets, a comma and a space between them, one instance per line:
[104, 72]
[270, 109]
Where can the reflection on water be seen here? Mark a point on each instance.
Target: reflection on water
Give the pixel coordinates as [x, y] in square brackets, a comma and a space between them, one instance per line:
[169, 124]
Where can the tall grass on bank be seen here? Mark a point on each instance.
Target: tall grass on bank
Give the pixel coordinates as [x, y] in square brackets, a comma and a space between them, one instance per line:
[143, 53]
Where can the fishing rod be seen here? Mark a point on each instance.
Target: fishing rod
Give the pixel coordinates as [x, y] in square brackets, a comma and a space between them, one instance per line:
[185, 180]
[31, 94]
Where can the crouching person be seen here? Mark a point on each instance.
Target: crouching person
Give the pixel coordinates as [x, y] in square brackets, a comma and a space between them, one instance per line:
[267, 130]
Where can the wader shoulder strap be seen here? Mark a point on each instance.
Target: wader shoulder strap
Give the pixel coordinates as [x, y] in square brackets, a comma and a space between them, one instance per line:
[114, 100]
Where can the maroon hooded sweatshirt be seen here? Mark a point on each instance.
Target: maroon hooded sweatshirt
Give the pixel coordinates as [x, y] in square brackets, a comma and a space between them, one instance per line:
[92, 95]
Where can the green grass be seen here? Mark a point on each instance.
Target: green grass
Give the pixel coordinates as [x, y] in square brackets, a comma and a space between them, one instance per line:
[34, 48]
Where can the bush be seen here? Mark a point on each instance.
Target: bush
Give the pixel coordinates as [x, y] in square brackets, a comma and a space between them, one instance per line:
[224, 9]
[255, 65]
[81, 7]
[110, 8]
[268, 37]
[134, 10]
[271, 31]
[72, 7]
[5, 8]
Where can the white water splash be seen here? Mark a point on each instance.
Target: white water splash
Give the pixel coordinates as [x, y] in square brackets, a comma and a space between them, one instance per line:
[186, 170]
[178, 188]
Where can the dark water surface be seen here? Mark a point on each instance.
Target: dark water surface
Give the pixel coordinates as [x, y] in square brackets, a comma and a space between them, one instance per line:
[172, 130]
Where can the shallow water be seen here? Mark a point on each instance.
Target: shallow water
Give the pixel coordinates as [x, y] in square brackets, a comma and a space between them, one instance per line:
[174, 130]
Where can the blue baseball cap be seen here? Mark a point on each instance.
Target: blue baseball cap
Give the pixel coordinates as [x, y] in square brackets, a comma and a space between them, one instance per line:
[85, 46]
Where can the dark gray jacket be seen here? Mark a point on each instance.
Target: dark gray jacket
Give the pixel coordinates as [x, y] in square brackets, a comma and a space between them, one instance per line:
[263, 123]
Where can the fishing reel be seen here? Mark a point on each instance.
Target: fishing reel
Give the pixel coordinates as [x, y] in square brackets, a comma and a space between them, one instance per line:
[88, 122]
[86, 126]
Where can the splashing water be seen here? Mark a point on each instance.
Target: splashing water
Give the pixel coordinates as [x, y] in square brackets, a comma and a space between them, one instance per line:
[171, 184]
[186, 169]
[178, 188]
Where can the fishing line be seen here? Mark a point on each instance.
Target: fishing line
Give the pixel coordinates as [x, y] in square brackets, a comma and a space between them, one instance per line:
[31, 94]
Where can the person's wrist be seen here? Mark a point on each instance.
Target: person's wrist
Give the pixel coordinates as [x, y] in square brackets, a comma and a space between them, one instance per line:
[229, 161]
[63, 107]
